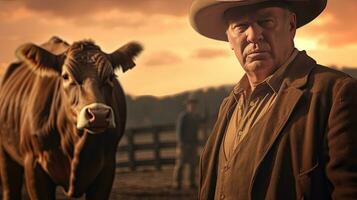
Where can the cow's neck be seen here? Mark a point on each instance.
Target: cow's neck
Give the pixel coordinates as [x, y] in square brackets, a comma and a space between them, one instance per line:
[82, 150]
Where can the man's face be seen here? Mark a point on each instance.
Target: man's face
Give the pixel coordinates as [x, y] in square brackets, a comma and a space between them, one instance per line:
[262, 38]
[191, 107]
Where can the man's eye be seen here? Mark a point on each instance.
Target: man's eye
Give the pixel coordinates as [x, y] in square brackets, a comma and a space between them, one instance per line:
[240, 28]
[267, 23]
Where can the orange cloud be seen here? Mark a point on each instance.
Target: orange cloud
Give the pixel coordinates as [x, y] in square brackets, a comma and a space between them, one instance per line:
[110, 20]
[165, 58]
[171, 45]
[210, 53]
[83, 7]
[336, 26]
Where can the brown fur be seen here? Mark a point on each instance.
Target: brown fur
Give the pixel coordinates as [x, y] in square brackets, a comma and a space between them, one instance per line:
[40, 98]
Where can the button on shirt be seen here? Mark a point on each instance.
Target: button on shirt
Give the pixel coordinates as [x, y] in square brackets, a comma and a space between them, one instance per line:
[247, 111]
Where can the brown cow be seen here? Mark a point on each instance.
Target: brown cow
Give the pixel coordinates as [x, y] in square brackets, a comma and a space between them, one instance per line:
[62, 114]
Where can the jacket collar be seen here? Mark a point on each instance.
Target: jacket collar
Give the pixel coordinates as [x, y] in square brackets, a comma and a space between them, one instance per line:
[297, 73]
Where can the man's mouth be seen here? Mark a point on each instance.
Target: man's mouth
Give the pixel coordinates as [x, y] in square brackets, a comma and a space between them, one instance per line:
[257, 55]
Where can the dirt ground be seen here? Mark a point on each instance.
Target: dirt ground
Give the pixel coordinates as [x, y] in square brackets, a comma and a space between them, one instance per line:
[144, 184]
[149, 184]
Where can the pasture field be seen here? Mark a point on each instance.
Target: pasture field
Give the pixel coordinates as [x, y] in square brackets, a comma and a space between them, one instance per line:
[149, 184]
[143, 184]
[146, 184]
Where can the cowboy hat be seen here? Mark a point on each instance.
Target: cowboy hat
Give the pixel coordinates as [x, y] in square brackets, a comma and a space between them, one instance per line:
[206, 16]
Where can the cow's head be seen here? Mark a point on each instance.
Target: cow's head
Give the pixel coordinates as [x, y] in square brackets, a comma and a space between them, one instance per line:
[87, 79]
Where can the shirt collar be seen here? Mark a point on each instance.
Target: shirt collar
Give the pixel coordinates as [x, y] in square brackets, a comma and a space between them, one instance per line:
[242, 85]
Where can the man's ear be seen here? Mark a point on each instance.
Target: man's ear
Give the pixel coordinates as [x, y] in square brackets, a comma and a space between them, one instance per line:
[41, 61]
[125, 56]
[292, 23]
[229, 40]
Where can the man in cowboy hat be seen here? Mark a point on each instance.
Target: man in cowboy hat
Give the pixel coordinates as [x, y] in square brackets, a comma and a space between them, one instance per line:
[288, 130]
[187, 142]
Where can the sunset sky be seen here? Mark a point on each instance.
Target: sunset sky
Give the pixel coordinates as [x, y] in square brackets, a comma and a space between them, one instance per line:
[176, 58]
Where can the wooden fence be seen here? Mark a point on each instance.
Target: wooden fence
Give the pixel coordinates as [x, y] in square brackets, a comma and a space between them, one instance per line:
[155, 140]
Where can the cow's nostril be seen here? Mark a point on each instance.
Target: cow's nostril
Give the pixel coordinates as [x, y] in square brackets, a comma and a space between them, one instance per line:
[107, 116]
[96, 118]
[90, 115]
[94, 114]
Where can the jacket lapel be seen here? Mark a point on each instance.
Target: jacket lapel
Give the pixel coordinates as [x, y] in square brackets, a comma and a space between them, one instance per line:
[288, 96]
[274, 122]
[209, 157]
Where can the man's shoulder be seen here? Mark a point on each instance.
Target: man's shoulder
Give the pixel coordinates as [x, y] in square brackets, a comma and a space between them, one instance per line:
[304, 65]
[325, 78]
[328, 72]
[323, 74]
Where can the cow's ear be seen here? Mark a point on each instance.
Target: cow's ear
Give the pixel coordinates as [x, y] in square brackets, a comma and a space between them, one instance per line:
[125, 55]
[41, 61]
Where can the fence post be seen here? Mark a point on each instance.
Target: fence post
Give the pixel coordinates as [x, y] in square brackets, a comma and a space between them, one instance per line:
[156, 138]
[131, 150]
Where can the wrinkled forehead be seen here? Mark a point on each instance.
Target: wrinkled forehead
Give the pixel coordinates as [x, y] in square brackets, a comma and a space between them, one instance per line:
[85, 57]
[82, 61]
[255, 11]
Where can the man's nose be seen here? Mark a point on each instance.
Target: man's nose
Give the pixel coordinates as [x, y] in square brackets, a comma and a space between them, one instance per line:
[254, 33]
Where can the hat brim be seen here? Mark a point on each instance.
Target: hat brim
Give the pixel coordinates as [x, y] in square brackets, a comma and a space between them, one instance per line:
[206, 16]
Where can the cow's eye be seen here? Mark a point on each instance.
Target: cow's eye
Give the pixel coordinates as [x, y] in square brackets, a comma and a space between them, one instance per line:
[65, 77]
[68, 80]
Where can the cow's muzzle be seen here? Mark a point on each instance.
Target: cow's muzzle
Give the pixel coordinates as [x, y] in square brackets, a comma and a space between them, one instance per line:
[96, 118]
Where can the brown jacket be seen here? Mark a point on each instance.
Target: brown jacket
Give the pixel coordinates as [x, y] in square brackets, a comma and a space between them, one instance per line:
[305, 146]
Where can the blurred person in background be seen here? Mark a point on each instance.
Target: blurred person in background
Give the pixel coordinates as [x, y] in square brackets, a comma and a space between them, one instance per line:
[187, 127]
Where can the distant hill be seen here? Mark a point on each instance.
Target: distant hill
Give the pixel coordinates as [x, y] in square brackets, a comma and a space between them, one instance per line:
[150, 110]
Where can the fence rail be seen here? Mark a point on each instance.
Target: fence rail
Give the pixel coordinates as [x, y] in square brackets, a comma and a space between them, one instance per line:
[153, 143]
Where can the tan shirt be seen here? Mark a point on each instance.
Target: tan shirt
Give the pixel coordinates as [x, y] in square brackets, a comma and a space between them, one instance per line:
[251, 108]
[246, 113]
